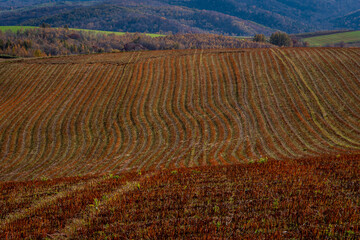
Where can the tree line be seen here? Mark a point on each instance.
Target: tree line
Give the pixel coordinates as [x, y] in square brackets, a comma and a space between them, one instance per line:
[45, 41]
[280, 39]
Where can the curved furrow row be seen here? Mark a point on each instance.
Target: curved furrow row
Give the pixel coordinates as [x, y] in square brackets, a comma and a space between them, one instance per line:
[333, 101]
[147, 111]
[217, 128]
[112, 111]
[124, 120]
[120, 154]
[220, 121]
[231, 104]
[95, 120]
[8, 84]
[239, 117]
[77, 78]
[345, 90]
[100, 120]
[145, 136]
[15, 135]
[279, 114]
[25, 157]
[295, 112]
[182, 108]
[237, 91]
[30, 153]
[287, 118]
[130, 123]
[177, 129]
[54, 112]
[252, 124]
[345, 73]
[239, 94]
[276, 135]
[312, 101]
[105, 119]
[256, 101]
[8, 112]
[21, 86]
[355, 55]
[318, 96]
[146, 133]
[293, 101]
[80, 122]
[187, 113]
[188, 105]
[162, 129]
[73, 106]
[12, 111]
[171, 111]
[208, 126]
[185, 132]
[218, 90]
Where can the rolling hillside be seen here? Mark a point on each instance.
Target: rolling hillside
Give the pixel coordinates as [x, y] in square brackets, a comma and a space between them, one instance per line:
[228, 17]
[349, 21]
[351, 37]
[105, 113]
[307, 198]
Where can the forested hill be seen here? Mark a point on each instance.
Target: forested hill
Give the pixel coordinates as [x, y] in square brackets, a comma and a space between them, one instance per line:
[230, 17]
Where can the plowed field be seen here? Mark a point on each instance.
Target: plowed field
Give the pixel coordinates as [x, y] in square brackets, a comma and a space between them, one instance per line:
[112, 113]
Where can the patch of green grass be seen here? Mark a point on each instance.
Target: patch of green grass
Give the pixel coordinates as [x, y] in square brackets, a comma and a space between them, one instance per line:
[110, 32]
[346, 37]
[17, 28]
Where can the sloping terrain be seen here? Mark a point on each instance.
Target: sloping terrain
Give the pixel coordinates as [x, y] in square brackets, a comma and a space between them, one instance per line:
[316, 198]
[352, 37]
[349, 21]
[102, 113]
[228, 17]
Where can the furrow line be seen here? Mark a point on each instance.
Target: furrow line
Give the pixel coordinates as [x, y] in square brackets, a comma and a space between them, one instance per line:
[92, 113]
[273, 123]
[330, 102]
[278, 113]
[37, 120]
[305, 87]
[342, 139]
[74, 79]
[147, 133]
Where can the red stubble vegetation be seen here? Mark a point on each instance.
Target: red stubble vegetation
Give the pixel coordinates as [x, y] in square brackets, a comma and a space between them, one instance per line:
[269, 199]
[93, 114]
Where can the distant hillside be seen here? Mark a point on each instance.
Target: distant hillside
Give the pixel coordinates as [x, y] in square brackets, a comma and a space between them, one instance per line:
[350, 21]
[333, 39]
[38, 42]
[330, 38]
[133, 18]
[228, 17]
[113, 112]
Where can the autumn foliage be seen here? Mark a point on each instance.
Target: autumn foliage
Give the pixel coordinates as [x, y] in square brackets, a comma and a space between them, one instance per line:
[99, 113]
[313, 198]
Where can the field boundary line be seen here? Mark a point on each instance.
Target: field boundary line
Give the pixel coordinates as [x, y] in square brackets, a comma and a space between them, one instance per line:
[47, 201]
[78, 223]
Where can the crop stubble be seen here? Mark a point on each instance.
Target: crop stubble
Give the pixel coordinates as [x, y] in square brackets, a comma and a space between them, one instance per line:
[148, 110]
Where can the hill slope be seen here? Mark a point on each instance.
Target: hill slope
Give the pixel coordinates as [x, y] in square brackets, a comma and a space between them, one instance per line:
[306, 198]
[352, 37]
[146, 110]
[349, 21]
[226, 16]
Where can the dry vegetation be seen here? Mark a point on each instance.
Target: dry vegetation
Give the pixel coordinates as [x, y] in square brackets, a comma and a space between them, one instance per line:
[314, 198]
[146, 110]
[259, 144]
